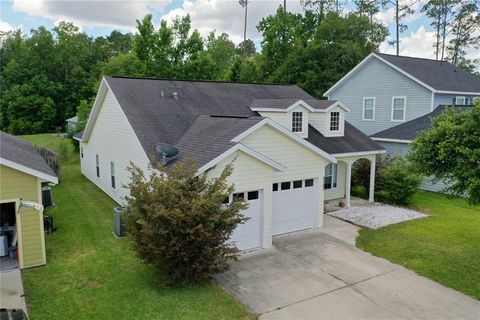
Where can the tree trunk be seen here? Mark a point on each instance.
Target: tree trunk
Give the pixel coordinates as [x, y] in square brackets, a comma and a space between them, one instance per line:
[397, 26]
[284, 6]
[444, 27]
[437, 42]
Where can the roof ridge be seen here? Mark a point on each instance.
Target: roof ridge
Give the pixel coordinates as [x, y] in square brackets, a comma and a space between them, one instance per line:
[200, 80]
[410, 57]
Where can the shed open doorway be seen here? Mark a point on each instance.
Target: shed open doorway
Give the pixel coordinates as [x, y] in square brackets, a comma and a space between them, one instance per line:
[8, 235]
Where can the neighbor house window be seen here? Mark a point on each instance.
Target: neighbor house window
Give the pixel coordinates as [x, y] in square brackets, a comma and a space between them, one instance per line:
[112, 174]
[460, 101]
[297, 122]
[334, 121]
[97, 163]
[330, 178]
[398, 108]
[368, 108]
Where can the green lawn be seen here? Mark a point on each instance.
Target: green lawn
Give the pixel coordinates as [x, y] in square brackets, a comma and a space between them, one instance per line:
[92, 275]
[444, 247]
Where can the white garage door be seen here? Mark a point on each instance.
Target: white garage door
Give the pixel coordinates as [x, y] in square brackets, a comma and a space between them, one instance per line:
[295, 204]
[249, 235]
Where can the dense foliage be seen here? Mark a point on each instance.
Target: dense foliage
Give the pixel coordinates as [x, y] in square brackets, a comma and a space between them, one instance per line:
[179, 224]
[48, 76]
[395, 180]
[450, 151]
[398, 182]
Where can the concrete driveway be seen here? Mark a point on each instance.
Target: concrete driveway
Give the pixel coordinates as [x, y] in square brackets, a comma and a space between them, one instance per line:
[322, 275]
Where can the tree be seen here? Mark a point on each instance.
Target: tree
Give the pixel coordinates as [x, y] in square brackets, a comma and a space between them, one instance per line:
[177, 221]
[124, 64]
[246, 48]
[465, 31]
[221, 50]
[322, 6]
[402, 9]
[244, 4]
[449, 152]
[83, 112]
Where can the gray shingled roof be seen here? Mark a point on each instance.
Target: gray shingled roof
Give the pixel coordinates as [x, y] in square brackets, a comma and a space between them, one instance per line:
[440, 75]
[23, 153]
[156, 119]
[410, 129]
[353, 141]
[285, 103]
[205, 115]
[208, 137]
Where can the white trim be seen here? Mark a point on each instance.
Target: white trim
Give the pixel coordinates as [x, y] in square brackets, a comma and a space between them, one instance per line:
[288, 133]
[102, 93]
[245, 149]
[360, 153]
[30, 171]
[363, 109]
[432, 101]
[404, 108]
[459, 92]
[334, 165]
[461, 97]
[345, 77]
[391, 140]
[78, 139]
[304, 104]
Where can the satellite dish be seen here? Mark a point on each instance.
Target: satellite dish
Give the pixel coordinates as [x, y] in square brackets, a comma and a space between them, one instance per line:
[165, 152]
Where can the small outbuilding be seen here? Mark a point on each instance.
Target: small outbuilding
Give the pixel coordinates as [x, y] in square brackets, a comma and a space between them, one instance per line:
[22, 173]
[72, 124]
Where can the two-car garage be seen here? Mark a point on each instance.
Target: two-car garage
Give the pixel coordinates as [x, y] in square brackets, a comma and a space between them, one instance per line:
[294, 208]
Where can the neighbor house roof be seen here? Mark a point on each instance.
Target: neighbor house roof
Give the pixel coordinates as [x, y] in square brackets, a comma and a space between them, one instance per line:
[19, 154]
[409, 130]
[72, 119]
[353, 141]
[438, 76]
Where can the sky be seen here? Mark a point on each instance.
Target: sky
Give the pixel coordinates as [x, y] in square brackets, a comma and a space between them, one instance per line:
[101, 17]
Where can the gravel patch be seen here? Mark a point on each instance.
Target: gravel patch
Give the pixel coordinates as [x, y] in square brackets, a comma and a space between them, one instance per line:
[376, 216]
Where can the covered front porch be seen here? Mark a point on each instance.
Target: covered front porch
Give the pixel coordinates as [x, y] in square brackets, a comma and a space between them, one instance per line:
[338, 181]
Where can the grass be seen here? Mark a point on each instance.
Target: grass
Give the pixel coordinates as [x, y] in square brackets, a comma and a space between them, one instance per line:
[92, 275]
[444, 247]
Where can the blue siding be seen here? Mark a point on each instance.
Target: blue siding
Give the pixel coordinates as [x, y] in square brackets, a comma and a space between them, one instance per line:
[400, 150]
[448, 99]
[376, 79]
[394, 149]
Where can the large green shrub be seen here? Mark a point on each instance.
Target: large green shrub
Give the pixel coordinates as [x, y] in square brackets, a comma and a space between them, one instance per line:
[178, 223]
[397, 183]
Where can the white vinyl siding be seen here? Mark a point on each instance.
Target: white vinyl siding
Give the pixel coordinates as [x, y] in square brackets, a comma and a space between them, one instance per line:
[398, 108]
[376, 79]
[368, 109]
[112, 139]
[449, 99]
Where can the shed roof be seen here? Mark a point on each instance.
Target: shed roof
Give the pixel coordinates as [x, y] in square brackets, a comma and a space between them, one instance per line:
[23, 156]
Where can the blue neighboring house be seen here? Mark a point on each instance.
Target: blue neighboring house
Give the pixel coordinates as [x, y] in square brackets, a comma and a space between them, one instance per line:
[393, 98]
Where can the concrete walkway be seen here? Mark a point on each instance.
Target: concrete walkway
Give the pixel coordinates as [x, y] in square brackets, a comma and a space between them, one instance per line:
[322, 275]
[11, 290]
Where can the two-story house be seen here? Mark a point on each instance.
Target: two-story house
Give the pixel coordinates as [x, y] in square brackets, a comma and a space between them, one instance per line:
[290, 152]
[393, 98]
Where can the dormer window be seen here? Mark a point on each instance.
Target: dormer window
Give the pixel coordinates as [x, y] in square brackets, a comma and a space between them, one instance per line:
[297, 121]
[335, 121]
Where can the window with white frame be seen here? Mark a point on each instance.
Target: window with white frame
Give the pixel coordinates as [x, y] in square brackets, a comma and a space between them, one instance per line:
[335, 121]
[97, 163]
[398, 108]
[330, 178]
[460, 101]
[368, 108]
[112, 174]
[297, 121]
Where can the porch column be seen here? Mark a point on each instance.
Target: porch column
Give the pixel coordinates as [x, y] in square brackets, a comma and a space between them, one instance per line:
[348, 184]
[372, 180]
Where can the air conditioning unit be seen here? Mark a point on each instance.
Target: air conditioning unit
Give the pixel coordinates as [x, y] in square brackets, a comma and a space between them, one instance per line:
[118, 224]
[47, 199]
